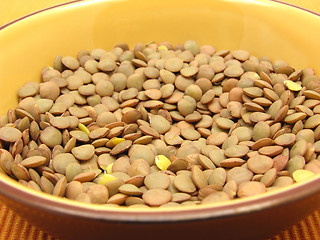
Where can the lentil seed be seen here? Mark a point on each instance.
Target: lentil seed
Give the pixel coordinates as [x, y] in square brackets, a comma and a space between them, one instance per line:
[169, 125]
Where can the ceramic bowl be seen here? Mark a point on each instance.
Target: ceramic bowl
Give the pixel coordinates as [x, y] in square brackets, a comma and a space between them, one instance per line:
[264, 28]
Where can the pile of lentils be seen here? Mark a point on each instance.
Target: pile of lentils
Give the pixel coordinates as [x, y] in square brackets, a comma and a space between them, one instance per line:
[163, 125]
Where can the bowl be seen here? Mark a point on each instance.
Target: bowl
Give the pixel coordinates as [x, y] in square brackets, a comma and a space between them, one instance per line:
[263, 27]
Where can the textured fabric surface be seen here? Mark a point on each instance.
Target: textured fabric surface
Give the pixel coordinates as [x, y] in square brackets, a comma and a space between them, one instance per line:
[12, 227]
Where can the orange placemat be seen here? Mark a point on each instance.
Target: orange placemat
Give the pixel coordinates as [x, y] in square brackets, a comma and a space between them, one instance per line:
[13, 227]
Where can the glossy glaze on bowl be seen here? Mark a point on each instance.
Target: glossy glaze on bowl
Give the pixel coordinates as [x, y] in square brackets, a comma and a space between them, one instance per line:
[265, 28]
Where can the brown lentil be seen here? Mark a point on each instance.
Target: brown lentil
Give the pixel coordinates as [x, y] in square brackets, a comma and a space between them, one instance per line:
[161, 125]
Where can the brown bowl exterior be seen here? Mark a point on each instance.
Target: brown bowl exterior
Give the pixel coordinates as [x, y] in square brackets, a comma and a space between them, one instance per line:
[252, 218]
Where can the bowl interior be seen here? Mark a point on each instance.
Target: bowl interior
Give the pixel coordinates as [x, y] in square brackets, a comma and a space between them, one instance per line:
[284, 32]
[264, 28]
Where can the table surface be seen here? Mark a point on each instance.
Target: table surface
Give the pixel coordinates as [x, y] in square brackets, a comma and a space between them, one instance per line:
[12, 227]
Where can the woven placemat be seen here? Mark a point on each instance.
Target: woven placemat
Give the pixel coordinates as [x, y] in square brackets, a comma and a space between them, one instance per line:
[14, 227]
